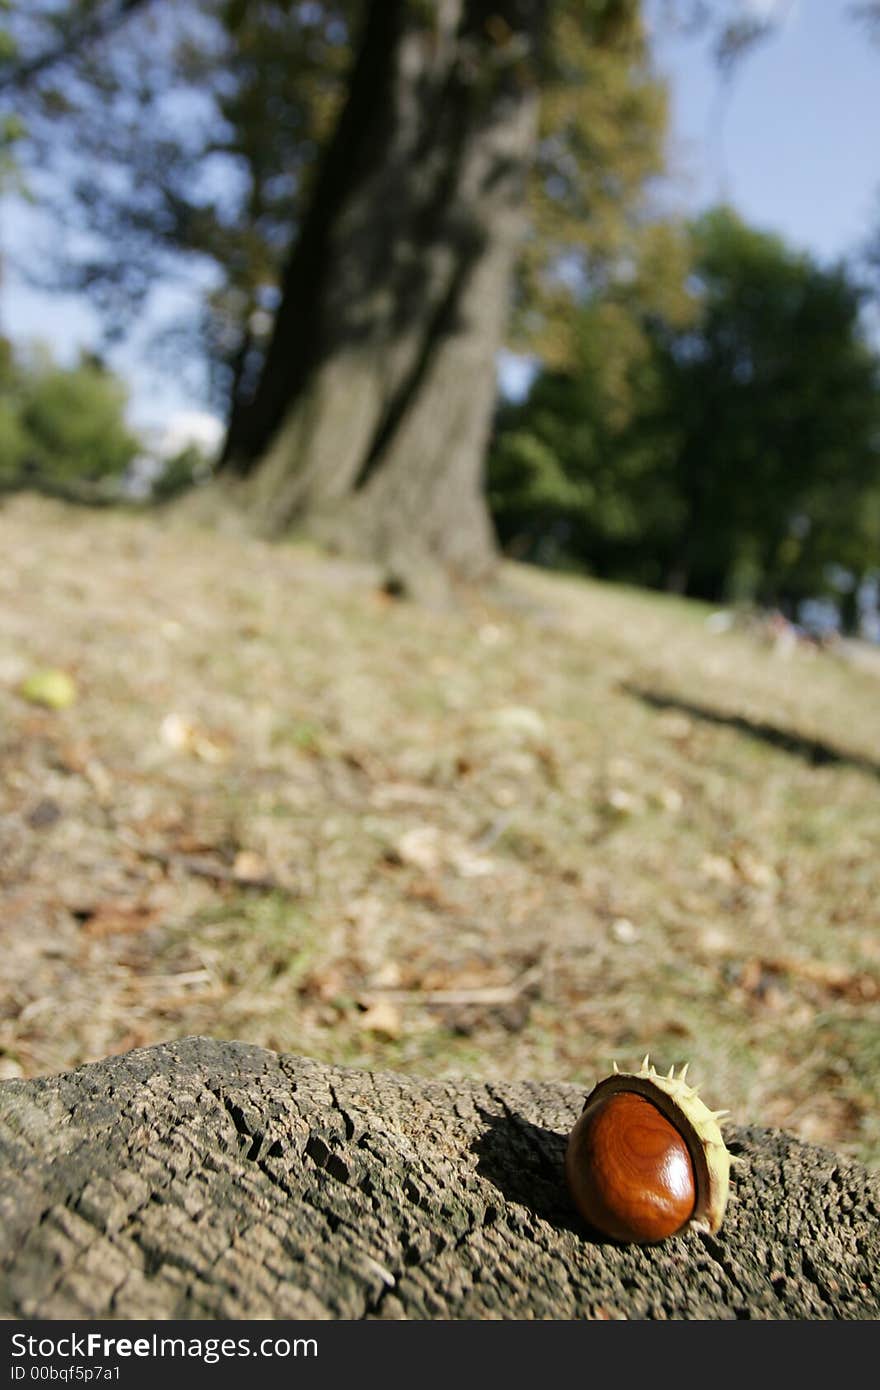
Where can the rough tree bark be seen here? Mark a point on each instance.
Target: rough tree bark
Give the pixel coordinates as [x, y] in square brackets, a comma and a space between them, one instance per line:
[205, 1179]
[369, 423]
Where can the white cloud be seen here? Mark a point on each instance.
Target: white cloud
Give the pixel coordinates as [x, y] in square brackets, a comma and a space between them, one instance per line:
[778, 11]
[187, 427]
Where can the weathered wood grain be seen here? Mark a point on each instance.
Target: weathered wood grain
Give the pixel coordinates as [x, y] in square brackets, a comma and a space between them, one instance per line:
[205, 1179]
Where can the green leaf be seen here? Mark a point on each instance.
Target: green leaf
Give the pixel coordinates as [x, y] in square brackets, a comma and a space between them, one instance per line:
[50, 687]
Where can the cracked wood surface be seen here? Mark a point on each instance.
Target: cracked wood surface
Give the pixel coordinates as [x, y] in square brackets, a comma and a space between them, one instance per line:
[205, 1179]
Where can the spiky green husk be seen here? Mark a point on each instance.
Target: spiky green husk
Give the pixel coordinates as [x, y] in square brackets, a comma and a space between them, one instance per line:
[696, 1123]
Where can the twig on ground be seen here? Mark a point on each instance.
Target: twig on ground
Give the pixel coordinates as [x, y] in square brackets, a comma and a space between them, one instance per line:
[203, 867]
[485, 995]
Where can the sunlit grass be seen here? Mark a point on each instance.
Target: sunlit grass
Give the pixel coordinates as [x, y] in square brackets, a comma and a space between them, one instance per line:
[647, 834]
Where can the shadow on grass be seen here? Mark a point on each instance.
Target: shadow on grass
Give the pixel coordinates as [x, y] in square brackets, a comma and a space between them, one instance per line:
[810, 750]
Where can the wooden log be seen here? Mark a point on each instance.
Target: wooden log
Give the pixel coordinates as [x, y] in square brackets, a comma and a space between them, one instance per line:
[217, 1180]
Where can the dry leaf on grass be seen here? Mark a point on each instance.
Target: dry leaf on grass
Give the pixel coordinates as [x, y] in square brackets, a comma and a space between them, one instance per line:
[111, 916]
[250, 867]
[185, 736]
[382, 1018]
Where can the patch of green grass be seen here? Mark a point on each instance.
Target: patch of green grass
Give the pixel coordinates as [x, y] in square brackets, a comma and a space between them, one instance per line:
[302, 734]
[258, 942]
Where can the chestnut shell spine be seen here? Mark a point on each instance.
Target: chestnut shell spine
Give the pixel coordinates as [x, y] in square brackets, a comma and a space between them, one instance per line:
[697, 1125]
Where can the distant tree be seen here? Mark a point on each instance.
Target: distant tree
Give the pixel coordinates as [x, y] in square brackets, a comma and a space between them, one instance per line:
[186, 469]
[351, 181]
[869, 12]
[13, 435]
[173, 146]
[752, 441]
[777, 399]
[61, 426]
[369, 420]
[583, 471]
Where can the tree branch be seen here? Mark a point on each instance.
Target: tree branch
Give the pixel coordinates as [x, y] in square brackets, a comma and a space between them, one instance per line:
[96, 25]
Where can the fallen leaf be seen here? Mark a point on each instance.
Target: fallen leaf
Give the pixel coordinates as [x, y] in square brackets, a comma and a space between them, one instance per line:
[184, 736]
[670, 799]
[327, 984]
[382, 1018]
[469, 864]
[427, 848]
[622, 802]
[420, 847]
[388, 976]
[99, 780]
[110, 917]
[840, 981]
[623, 931]
[754, 871]
[78, 759]
[717, 867]
[519, 720]
[250, 867]
[53, 688]
[176, 731]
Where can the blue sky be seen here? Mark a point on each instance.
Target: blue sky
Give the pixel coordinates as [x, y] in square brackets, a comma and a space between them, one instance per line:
[792, 142]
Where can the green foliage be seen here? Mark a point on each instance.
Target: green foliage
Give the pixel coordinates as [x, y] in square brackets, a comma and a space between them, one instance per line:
[11, 127]
[13, 440]
[61, 425]
[50, 687]
[200, 163]
[181, 473]
[732, 450]
[602, 131]
[779, 404]
[191, 166]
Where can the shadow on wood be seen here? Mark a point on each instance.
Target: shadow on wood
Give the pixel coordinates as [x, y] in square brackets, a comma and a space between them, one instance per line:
[205, 1179]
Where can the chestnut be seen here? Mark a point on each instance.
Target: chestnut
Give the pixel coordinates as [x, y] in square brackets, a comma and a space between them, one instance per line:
[646, 1159]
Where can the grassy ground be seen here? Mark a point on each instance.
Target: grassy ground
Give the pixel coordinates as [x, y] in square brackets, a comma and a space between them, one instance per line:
[566, 824]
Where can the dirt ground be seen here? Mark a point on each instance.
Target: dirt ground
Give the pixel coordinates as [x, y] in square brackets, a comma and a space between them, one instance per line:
[564, 824]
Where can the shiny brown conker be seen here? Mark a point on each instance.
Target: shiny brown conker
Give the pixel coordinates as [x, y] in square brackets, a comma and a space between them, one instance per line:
[647, 1159]
[629, 1170]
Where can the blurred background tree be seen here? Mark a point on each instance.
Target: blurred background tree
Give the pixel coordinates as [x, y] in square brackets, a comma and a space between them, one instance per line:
[373, 198]
[730, 452]
[244, 145]
[61, 428]
[171, 147]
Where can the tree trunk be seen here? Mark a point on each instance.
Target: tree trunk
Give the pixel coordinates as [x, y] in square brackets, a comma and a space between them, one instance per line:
[204, 1179]
[370, 421]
